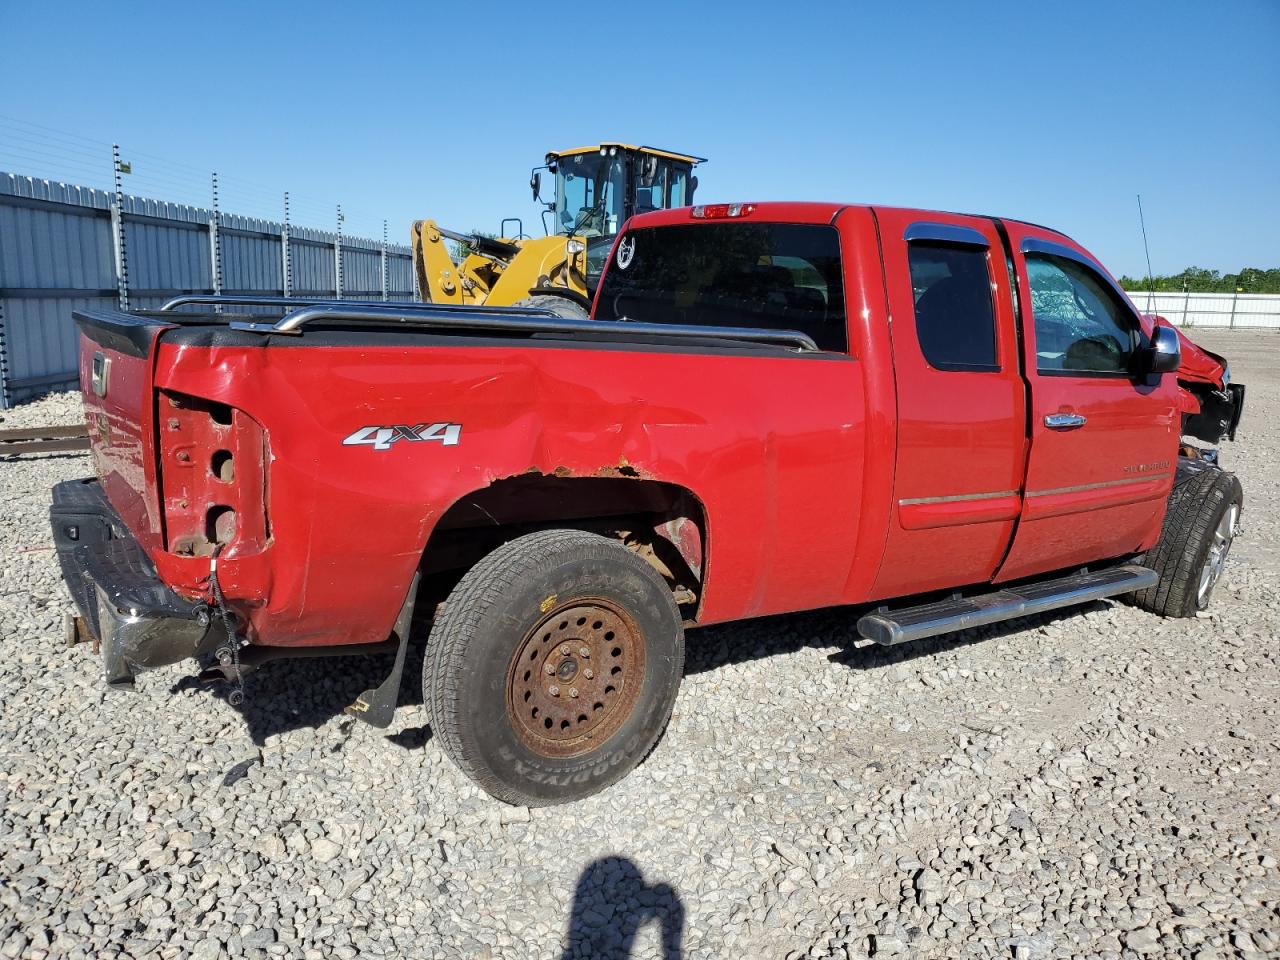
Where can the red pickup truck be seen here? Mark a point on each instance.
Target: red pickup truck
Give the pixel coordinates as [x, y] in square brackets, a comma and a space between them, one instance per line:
[945, 420]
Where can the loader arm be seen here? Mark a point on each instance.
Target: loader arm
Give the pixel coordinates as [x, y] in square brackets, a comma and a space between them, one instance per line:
[499, 273]
[440, 280]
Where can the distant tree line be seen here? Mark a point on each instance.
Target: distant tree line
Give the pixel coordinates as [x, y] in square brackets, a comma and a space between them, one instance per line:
[1199, 280]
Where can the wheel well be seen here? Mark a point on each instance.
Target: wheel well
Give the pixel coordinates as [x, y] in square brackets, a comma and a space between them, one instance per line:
[663, 523]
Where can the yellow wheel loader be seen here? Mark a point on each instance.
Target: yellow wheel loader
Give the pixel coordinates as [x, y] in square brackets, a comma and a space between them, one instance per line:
[596, 189]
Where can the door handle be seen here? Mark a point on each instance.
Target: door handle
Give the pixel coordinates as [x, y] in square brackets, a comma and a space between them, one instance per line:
[1064, 421]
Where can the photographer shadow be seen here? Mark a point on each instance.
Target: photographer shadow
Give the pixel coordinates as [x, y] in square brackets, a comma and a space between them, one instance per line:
[611, 902]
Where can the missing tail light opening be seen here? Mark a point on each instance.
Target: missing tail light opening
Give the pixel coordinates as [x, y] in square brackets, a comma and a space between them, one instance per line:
[220, 525]
[213, 481]
[222, 465]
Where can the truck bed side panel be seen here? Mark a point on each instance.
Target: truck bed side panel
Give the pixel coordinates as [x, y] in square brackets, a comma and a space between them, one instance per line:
[771, 445]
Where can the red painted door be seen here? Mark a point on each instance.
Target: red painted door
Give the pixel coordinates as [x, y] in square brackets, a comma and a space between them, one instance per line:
[1104, 441]
[961, 402]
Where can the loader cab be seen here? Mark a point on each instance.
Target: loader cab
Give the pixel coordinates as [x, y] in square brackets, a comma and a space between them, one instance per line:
[598, 188]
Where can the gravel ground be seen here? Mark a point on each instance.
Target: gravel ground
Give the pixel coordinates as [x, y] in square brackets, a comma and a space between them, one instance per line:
[1100, 783]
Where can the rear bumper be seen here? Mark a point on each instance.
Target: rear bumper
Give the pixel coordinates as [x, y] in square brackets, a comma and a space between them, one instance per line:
[138, 621]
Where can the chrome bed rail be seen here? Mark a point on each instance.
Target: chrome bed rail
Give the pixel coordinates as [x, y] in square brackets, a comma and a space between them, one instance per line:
[431, 315]
[289, 303]
[306, 310]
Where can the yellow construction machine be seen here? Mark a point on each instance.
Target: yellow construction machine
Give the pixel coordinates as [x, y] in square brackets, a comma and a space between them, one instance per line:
[596, 189]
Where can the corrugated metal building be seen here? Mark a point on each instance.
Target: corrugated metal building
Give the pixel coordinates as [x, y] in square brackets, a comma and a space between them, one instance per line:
[58, 254]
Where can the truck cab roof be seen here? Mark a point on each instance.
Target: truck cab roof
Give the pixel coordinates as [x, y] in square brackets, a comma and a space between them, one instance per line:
[802, 211]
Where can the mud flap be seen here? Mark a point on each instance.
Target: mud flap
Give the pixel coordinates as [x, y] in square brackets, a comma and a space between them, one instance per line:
[376, 707]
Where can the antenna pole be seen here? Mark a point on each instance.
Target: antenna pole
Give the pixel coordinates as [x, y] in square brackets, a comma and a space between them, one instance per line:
[1151, 283]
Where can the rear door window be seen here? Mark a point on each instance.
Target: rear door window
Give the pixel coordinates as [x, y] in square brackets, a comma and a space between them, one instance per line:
[955, 320]
[783, 276]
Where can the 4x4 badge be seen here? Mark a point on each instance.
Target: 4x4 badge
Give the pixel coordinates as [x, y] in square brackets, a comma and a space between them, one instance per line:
[381, 438]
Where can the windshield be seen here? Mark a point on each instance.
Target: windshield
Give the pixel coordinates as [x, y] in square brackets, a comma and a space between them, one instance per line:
[589, 193]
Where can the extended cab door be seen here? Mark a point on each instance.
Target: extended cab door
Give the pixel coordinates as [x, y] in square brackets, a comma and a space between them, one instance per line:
[1104, 439]
[961, 402]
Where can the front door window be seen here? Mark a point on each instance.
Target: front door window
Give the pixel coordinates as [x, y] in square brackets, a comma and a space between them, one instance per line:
[1080, 327]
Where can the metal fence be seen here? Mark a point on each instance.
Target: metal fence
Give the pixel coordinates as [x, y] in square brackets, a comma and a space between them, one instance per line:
[64, 247]
[1233, 310]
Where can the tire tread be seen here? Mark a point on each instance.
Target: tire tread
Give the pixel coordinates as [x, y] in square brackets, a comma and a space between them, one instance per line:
[1196, 504]
[480, 587]
[557, 305]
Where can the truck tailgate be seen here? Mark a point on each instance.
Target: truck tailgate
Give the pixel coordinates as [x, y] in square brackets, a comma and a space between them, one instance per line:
[116, 361]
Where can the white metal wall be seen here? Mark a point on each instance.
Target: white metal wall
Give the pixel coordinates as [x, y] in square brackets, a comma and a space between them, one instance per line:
[58, 254]
[1212, 309]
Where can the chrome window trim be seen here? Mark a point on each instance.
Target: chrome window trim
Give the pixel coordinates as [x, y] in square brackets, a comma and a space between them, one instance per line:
[945, 233]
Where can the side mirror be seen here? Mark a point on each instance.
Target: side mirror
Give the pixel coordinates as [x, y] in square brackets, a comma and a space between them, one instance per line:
[1165, 353]
[693, 185]
[535, 184]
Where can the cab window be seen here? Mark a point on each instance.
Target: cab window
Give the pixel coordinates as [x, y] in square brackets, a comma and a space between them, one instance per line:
[1081, 327]
[955, 319]
[782, 276]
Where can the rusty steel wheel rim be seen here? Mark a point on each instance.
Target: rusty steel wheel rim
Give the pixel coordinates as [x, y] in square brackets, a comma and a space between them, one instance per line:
[575, 677]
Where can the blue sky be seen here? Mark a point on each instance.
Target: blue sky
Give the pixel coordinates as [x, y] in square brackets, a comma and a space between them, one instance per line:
[1057, 113]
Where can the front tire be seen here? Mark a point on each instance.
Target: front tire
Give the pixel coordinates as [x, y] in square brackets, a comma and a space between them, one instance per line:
[553, 666]
[560, 306]
[1200, 524]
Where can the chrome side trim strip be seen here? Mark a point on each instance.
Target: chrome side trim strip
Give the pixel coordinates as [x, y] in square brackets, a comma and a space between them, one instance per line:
[909, 501]
[1129, 481]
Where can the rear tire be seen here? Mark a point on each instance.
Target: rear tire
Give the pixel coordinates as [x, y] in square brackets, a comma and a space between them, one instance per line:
[1199, 525]
[561, 306]
[553, 666]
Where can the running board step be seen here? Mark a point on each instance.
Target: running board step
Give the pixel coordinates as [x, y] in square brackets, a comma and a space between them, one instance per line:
[930, 619]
